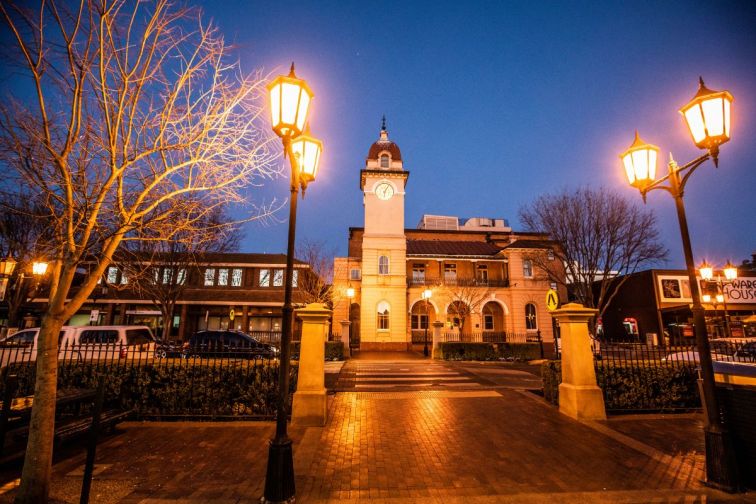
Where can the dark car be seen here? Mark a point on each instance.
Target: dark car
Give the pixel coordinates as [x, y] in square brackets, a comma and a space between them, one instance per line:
[233, 344]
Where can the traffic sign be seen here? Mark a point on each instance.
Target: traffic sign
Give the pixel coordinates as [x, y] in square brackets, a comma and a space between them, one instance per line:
[552, 300]
[231, 315]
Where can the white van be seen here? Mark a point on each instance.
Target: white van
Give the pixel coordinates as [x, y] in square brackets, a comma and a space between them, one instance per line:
[82, 343]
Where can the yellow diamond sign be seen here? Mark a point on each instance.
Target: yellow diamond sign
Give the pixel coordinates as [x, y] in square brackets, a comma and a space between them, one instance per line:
[552, 300]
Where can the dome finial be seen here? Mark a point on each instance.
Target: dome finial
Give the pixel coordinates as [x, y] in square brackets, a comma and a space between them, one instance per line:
[383, 123]
[291, 70]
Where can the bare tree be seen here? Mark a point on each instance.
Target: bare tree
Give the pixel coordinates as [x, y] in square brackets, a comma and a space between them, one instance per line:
[136, 111]
[600, 237]
[465, 299]
[158, 269]
[316, 284]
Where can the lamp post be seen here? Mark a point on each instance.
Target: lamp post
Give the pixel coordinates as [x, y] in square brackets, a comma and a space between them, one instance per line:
[350, 296]
[290, 99]
[731, 273]
[427, 293]
[708, 119]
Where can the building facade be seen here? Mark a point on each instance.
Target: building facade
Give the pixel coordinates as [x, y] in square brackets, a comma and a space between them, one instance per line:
[477, 271]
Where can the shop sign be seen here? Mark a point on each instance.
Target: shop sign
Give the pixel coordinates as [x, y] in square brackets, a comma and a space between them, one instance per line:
[741, 290]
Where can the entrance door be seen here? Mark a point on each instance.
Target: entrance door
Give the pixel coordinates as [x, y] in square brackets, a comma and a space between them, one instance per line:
[354, 327]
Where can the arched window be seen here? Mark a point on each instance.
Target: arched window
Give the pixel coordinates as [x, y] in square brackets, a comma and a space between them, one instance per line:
[531, 322]
[383, 316]
[385, 160]
[383, 265]
[527, 268]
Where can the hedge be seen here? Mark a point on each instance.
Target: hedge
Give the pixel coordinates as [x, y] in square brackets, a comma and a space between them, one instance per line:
[162, 389]
[456, 351]
[334, 350]
[636, 387]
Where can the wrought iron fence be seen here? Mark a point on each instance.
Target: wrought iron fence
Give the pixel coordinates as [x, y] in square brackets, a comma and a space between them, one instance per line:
[163, 381]
[491, 337]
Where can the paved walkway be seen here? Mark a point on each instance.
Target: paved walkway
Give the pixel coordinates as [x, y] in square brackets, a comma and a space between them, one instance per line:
[428, 445]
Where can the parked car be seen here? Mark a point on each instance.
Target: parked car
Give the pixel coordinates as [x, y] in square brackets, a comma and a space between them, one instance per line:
[692, 356]
[82, 343]
[233, 344]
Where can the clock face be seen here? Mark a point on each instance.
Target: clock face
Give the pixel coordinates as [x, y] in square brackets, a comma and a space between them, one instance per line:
[384, 191]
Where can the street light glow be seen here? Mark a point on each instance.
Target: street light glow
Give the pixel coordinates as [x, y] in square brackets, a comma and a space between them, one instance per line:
[640, 162]
[706, 271]
[307, 151]
[708, 117]
[290, 99]
[39, 268]
[730, 271]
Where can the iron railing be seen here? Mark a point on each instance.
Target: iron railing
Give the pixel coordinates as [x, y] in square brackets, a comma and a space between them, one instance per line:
[458, 281]
[492, 337]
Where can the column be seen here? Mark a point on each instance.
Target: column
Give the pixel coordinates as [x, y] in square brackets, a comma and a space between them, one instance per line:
[437, 327]
[309, 403]
[579, 395]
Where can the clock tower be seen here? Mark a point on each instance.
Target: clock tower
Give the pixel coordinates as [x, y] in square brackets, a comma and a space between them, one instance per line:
[383, 311]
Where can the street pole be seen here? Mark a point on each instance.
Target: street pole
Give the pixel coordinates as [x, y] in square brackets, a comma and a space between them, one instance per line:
[728, 333]
[427, 321]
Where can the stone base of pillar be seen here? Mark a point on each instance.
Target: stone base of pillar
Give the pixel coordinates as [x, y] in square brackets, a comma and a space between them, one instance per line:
[581, 402]
[309, 407]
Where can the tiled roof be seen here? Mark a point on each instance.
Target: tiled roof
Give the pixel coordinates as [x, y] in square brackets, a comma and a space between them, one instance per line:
[451, 248]
[531, 244]
[222, 258]
[385, 145]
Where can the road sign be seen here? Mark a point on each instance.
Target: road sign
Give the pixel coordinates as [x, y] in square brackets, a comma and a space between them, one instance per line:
[552, 300]
[231, 315]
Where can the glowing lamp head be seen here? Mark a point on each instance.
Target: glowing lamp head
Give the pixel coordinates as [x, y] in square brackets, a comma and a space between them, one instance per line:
[730, 271]
[290, 99]
[720, 298]
[639, 161]
[427, 293]
[39, 268]
[307, 151]
[706, 298]
[706, 271]
[7, 266]
[708, 117]
[350, 292]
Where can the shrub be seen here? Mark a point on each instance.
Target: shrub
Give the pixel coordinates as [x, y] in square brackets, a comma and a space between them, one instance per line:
[519, 351]
[455, 351]
[640, 386]
[159, 388]
[334, 350]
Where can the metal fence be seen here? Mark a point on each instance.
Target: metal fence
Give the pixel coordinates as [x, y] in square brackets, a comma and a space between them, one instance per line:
[159, 381]
[491, 337]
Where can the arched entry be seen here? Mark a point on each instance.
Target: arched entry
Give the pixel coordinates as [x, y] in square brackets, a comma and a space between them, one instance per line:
[422, 315]
[354, 327]
[492, 321]
[459, 317]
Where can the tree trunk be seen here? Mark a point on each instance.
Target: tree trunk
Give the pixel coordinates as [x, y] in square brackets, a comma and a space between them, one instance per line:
[167, 321]
[35, 478]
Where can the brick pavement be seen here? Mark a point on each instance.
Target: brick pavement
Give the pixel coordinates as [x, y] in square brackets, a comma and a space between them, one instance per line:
[425, 446]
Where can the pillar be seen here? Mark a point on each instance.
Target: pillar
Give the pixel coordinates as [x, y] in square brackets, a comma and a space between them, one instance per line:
[579, 395]
[183, 320]
[245, 319]
[309, 404]
[345, 325]
[437, 326]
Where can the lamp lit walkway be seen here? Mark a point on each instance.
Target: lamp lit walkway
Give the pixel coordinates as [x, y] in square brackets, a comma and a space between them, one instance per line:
[427, 445]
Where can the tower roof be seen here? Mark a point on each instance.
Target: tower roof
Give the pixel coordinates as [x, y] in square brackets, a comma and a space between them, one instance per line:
[384, 144]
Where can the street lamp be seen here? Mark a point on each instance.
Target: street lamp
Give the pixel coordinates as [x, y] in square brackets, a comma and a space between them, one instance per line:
[7, 266]
[731, 273]
[290, 99]
[708, 118]
[427, 293]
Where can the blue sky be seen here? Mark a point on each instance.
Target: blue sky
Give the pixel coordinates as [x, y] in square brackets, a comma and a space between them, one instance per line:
[498, 102]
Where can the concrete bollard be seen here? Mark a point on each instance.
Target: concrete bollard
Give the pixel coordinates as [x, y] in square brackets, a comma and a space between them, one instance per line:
[437, 326]
[309, 406]
[579, 395]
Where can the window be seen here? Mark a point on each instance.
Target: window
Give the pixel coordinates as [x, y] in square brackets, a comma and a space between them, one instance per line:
[383, 316]
[418, 273]
[385, 160]
[124, 278]
[264, 278]
[294, 278]
[530, 317]
[223, 276]
[278, 277]
[355, 274]
[236, 277]
[209, 276]
[112, 275]
[483, 274]
[450, 273]
[527, 268]
[550, 255]
[181, 276]
[383, 265]
[553, 285]
[488, 322]
[167, 274]
[419, 321]
[138, 337]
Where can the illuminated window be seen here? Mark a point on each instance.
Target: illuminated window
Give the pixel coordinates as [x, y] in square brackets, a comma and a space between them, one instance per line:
[450, 273]
[383, 265]
[181, 276]
[209, 276]
[383, 316]
[278, 277]
[550, 255]
[527, 268]
[482, 274]
[236, 277]
[294, 278]
[112, 275]
[418, 273]
[385, 160]
[167, 274]
[223, 276]
[264, 278]
[355, 274]
[530, 317]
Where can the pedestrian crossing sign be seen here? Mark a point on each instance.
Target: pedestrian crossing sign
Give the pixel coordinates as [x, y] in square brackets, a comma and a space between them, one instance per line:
[552, 300]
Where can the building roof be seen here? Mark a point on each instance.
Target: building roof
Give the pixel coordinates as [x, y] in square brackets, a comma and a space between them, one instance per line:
[384, 144]
[451, 248]
[531, 244]
[219, 258]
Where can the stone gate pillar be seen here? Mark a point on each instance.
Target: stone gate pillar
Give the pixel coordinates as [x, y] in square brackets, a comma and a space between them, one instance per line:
[579, 395]
[345, 325]
[437, 326]
[309, 403]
